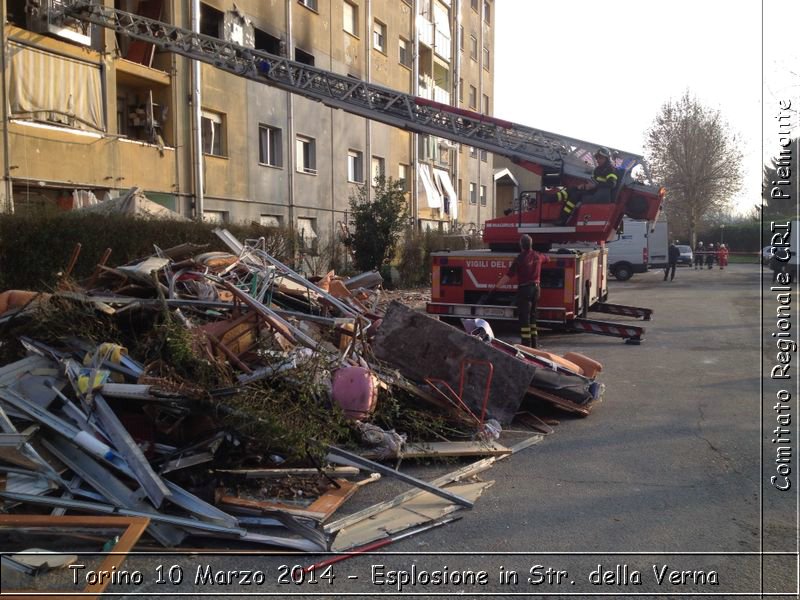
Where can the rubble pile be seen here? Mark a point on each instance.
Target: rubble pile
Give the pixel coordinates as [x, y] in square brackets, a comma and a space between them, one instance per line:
[223, 396]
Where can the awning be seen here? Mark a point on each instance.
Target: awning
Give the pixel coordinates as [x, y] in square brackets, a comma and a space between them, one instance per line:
[431, 193]
[449, 192]
[47, 87]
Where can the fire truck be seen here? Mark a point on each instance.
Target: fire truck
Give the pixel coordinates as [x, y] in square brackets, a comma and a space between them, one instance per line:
[575, 279]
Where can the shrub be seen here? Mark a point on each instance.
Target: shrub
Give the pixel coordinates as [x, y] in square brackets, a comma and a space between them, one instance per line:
[378, 223]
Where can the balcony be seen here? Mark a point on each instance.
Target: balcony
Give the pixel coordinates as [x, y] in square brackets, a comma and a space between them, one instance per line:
[441, 44]
[425, 31]
[441, 95]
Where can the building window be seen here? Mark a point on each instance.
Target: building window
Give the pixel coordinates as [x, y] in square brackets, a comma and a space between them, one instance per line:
[312, 4]
[473, 97]
[473, 47]
[378, 169]
[270, 146]
[485, 104]
[379, 36]
[461, 90]
[306, 155]
[473, 152]
[487, 11]
[483, 195]
[213, 133]
[473, 198]
[460, 191]
[474, 5]
[402, 176]
[484, 155]
[405, 52]
[486, 58]
[218, 217]
[355, 166]
[307, 229]
[461, 37]
[304, 57]
[269, 221]
[351, 18]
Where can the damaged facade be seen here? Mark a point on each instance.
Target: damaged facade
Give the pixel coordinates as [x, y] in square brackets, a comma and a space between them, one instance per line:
[124, 117]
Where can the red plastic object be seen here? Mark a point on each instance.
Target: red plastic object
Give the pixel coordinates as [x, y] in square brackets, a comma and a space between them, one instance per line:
[355, 390]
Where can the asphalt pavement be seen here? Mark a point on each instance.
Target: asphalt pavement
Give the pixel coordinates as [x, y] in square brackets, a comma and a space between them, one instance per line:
[659, 491]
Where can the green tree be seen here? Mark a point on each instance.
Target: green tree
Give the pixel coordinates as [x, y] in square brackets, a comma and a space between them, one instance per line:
[378, 222]
[694, 155]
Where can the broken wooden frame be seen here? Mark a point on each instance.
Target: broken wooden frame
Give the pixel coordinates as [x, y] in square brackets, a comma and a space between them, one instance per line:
[133, 528]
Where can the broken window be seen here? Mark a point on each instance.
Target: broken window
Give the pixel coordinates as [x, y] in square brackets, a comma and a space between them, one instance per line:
[269, 221]
[378, 169]
[267, 43]
[270, 146]
[139, 51]
[211, 21]
[379, 36]
[141, 113]
[307, 230]
[218, 217]
[213, 133]
[304, 57]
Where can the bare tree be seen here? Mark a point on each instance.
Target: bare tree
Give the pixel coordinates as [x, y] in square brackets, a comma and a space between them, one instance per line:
[694, 155]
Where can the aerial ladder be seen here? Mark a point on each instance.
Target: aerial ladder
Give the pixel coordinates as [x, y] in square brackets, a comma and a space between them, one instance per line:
[561, 161]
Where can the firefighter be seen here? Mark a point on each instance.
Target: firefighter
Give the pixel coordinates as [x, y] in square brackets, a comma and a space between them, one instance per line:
[711, 254]
[597, 191]
[527, 269]
[673, 254]
[698, 256]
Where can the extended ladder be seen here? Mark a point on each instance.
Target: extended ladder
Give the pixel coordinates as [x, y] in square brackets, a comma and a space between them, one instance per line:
[551, 151]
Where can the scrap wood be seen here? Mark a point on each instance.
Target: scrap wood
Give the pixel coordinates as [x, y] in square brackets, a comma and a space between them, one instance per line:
[341, 472]
[448, 449]
[457, 475]
[338, 455]
[423, 508]
[133, 528]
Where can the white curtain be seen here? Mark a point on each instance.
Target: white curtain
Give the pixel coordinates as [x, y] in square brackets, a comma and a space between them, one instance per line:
[46, 87]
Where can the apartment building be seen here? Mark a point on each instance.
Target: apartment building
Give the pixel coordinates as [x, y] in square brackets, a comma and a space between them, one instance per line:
[90, 111]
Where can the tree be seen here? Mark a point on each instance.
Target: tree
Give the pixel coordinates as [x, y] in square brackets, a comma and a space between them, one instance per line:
[692, 153]
[776, 190]
[378, 222]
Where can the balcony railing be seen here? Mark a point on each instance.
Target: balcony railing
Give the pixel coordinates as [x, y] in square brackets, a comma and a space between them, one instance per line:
[441, 95]
[441, 44]
[425, 31]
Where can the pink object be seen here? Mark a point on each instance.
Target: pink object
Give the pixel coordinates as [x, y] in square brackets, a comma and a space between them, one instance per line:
[355, 390]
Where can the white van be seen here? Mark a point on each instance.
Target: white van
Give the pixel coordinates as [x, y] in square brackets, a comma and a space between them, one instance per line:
[637, 248]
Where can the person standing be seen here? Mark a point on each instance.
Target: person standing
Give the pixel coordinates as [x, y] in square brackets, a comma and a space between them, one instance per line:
[527, 269]
[711, 254]
[722, 256]
[673, 254]
[698, 256]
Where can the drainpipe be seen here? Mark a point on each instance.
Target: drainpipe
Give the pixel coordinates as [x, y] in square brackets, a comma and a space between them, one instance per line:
[480, 108]
[415, 136]
[368, 67]
[291, 142]
[457, 84]
[197, 123]
[9, 203]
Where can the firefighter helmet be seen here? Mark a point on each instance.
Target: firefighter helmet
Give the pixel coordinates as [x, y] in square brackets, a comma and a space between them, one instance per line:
[603, 151]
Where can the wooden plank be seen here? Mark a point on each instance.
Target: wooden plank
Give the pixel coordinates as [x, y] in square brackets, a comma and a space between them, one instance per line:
[421, 347]
[133, 528]
[265, 507]
[281, 473]
[457, 475]
[449, 450]
[423, 508]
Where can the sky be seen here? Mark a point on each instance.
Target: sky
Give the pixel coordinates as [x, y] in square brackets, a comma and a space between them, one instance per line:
[601, 71]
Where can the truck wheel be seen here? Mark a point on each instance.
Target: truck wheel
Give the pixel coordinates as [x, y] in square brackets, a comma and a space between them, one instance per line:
[623, 271]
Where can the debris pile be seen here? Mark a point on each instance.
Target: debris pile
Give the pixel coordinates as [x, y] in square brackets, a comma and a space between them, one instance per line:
[223, 395]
